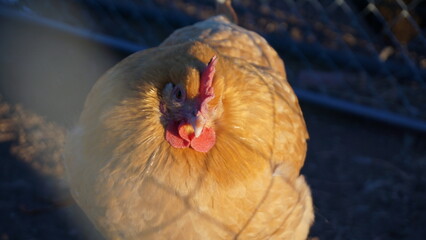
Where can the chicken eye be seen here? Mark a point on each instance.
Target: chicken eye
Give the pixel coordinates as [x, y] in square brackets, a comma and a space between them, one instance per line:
[178, 94]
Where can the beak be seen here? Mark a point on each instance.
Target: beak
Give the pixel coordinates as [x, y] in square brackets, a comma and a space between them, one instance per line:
[197, 122]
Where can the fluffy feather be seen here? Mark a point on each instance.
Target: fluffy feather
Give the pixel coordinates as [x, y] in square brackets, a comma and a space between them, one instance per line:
[134, 185]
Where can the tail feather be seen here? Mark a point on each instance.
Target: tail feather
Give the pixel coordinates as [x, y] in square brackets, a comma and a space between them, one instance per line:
[224, 7]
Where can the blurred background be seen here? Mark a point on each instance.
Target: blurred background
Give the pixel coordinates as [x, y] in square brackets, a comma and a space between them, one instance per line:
[357, 66]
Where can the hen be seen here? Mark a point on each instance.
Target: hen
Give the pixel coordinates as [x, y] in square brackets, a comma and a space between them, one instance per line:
[199, 138]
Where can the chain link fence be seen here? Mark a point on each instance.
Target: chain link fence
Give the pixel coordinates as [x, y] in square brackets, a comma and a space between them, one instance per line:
[368, 53]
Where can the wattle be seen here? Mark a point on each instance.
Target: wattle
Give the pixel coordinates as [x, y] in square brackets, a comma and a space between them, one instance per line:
[173, 137]
[205, 141]
[178, 137]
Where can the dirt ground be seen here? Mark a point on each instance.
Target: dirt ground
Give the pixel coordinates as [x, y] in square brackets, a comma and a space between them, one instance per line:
[367, 178]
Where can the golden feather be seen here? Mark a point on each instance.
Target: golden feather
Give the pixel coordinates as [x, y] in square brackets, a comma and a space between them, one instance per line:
[134, 185]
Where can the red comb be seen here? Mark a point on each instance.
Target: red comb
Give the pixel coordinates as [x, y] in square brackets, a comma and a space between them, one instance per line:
[206, 92]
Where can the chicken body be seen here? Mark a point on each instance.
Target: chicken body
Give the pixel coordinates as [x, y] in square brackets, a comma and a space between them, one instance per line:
[133, 184]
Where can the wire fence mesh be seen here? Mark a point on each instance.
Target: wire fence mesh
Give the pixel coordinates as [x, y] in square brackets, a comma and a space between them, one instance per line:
[367, 52]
